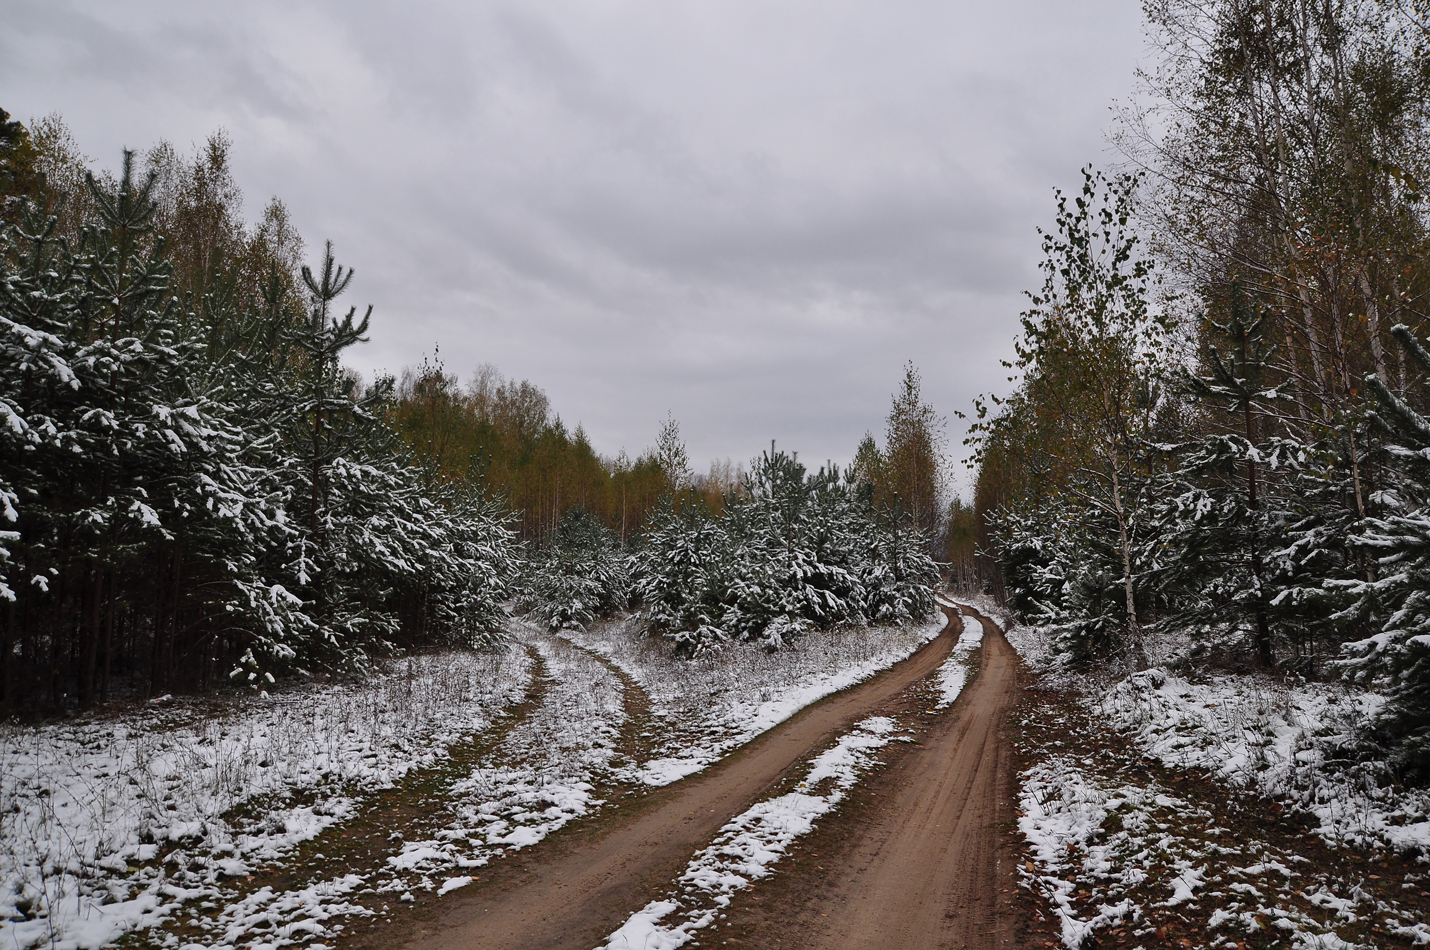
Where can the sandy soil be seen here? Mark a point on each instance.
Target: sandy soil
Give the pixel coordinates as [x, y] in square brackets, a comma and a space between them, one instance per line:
[930, 868]
[575, 893]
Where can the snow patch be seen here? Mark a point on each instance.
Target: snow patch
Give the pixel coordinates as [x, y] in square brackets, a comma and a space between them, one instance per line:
[747, 846]
[1293, 743]
[953, 672]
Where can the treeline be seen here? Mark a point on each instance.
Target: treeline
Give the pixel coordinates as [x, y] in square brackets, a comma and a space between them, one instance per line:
[500, 437]
[1216, 451]
[192, 486]
[761, 556]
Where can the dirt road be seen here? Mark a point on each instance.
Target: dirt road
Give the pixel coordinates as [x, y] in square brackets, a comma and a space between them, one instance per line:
[574, 896]
[927, 871]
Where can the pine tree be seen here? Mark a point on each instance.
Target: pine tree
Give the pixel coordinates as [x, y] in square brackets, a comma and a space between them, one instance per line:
[682, 575]
[670, 453]
[581, 575]
[189, 479]
[1222, 529]
[1396, 598]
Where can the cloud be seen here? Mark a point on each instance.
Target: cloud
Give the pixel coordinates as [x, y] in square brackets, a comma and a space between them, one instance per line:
[749, 214]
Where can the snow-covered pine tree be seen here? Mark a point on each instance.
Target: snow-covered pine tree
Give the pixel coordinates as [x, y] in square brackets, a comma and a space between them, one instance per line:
[897, 574]
[478, 563]
[160, 457]
[682, 574]
[580, 575]
[374, 547]
[35, 294]
[1217, 560]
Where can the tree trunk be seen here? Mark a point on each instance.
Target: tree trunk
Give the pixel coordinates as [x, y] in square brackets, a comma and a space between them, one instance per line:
[1372, 318]
[1264, 655]
[88, 668]
[108, 638]
[174, 621]
[6, 646]
[1134, 629]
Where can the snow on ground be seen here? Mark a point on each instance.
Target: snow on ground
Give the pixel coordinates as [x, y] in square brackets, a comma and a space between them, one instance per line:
[107, 824]
[985, 604]
[748, 845]
[1293, 743]
[705, 707]
[953, 673]
[1061, 816]
[1031, 643]
[544, 774]
[1108, 853]
[1112, 846]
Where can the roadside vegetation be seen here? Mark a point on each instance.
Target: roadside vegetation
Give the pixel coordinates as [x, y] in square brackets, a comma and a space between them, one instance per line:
[1202, 503]
[1213, 456]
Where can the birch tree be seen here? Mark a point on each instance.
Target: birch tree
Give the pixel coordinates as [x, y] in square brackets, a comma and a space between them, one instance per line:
[1092, 335]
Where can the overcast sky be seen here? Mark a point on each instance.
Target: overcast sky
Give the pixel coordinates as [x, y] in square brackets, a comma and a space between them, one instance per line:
[747, 214]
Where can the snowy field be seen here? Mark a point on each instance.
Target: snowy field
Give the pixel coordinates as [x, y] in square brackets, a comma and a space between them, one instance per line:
[703, 708]
[157, 818]
[1114, 848]
[108, 824]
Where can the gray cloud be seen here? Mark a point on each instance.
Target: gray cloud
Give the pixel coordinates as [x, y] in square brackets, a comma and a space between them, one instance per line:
[748, 214]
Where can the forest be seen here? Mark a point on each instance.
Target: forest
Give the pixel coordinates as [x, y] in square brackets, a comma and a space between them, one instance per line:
[291, 655]
[198, 493]
[1214, 452]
